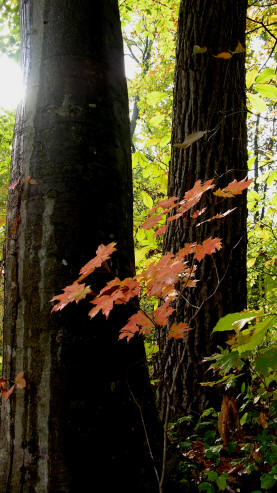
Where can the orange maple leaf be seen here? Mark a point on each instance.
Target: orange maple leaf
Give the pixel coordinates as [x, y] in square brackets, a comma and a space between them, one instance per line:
[162, 313]
[115, 291]
[74, 292]
[234, 188]
[138, 322]
[103, 253]
[208, 247]
[177, 331]
[152, 221]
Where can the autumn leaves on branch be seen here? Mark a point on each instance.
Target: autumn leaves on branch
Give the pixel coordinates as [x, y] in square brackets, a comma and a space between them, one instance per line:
[161, 277]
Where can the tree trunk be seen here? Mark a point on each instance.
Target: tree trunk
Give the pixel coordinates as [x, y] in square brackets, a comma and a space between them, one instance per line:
[76, 424]
[209, 94]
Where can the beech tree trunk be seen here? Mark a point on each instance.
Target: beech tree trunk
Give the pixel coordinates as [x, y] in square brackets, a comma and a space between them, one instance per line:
[76, 424]
[209, 94]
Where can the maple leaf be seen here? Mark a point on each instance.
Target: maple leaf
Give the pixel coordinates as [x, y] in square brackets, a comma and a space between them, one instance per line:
[138, 322]
[122, 291]
[20, 380]
[198, 213]
[162, 313]
[217, 216]
[208, 247]
[104, 303]
[103, 253]
[115, 292]
[177, 331]
[8, 393]
[161, 230]
[164, 204]
[234, 188]
[74, 292]
[161, 276]
[192, 197]
[152, 221]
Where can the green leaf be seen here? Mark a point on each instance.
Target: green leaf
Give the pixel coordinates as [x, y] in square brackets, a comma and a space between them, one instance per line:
[251, 161]
[212, 475]
[267, 481]
[156, 120]
[147, 200]
[249, 339]
[258, 103]
[206, 487]
[225, 323]
[155, 97]
[250, 77]
[243, 419]
[221, 482]
[266, 90]
[266, 75]
[272, 177]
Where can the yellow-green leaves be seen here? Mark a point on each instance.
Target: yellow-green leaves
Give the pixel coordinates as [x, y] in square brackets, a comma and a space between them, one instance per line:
[147, 200]
[257, 102]
[155, 97]
[266, 90]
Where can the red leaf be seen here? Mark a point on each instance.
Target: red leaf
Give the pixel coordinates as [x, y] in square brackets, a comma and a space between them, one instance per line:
[136, 323]
[115, 291]
[198, 213]
[162, 313]
[177, 331]
[74, 292]
[208, 247]
[14, 184]
[164, 204]
[234, 188]
[7, 394]
[152, 221]
[103, 253]
[161, 230]
[30, 180]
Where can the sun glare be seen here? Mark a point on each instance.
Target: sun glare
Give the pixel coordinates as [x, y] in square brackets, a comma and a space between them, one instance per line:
[11, 84]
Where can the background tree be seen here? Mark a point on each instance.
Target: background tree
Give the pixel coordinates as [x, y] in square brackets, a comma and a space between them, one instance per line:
[76, 422]
[209, 95]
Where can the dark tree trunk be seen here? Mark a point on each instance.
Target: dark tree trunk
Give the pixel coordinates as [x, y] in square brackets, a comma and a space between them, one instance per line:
[76, 424]
[209, 94]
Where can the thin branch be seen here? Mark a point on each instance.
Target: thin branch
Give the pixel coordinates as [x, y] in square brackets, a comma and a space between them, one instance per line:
[264, 26]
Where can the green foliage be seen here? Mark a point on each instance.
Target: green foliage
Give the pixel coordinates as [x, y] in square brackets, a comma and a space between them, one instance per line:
[9, 28]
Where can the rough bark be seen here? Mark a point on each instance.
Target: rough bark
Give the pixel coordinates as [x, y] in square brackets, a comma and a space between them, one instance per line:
[75, 425]
[209, 94]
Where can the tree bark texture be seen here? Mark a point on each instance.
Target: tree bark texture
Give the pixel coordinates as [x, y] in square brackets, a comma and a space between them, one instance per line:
[209, 94]
[76, 424]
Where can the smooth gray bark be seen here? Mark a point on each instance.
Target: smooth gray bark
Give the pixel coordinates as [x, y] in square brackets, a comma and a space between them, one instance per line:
[76, 425]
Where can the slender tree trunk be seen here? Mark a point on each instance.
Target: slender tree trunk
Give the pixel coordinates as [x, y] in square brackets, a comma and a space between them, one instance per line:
[76, 424]
[209, 94]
